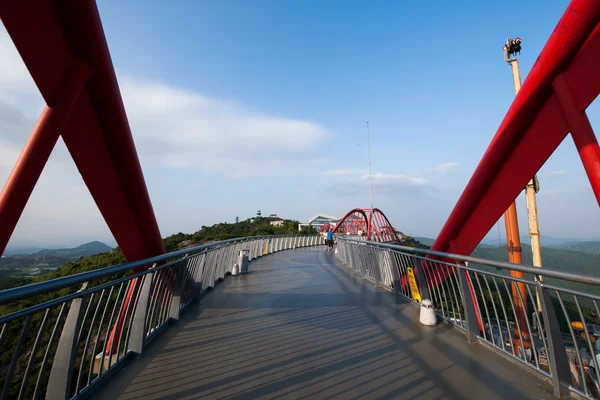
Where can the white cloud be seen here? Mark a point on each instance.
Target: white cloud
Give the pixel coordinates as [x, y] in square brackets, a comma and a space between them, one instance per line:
[380, 178]
[178, 130]
[444, 168]
[556, 173]
[181, 128]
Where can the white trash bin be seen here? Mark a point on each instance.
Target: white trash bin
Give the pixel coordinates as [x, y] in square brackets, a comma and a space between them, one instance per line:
[427, 316]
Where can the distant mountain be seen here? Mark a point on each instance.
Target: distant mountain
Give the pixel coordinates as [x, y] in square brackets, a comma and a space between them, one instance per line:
[591, 246]
[12, 250]
[554, 258]
[84, 250]
[43, 261]
[424, 240]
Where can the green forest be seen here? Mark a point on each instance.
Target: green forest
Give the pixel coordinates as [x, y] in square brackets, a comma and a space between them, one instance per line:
[256, 226]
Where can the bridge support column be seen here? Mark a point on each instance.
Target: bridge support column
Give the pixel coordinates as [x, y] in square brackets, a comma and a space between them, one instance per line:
[59, 383]
[557, 355]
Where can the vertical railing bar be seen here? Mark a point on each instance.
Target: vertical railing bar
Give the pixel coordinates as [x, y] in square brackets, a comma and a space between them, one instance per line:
[162, 302]
[469, 283]
[454, 272]
[510, 333]
[112, 288]
[487, 314]
[581, 370]
[110, 321]
[47, 352]
[15, 357]
[427, 270]
[134, 307]
[587, 336]
[154, 296]
[454, 278]
[129, 305]
[119, 334]
[516, 321]
[4, 332]
[537, 316]
[524, 305]
[33, 352]
[87, 341]
[442, 285]
[87, 309]
[487, 284]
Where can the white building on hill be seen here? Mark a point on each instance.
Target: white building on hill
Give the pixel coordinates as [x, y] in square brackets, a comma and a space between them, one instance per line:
[319, 220]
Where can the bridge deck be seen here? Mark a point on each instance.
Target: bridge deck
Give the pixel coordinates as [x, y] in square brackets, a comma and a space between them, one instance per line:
[299, 326]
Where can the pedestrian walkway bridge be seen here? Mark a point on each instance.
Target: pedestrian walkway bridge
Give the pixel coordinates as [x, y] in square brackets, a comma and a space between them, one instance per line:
[300, 325]
[302, 322]
[283, 316]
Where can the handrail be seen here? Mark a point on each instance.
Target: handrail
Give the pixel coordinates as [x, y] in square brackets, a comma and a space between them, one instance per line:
[548, 272]
[22, 292]
[96, 328]
[532, 322]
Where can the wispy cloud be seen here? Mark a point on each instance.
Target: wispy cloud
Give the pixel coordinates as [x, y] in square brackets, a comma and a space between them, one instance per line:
[181, 128]
[444, 168]
[379, 178]
[559, 172]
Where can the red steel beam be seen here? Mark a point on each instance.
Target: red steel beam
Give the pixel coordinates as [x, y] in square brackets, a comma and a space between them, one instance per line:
[531, 130]
[581, 132]
[49, 36]
[35, 154]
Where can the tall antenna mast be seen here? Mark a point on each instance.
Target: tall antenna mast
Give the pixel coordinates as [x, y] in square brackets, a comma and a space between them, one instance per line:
[370, 175]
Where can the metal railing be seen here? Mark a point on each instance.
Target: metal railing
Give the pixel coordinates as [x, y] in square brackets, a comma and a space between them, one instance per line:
[60, 338]
[544, 321]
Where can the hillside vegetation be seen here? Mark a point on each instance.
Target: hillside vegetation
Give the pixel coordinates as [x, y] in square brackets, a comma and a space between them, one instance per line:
[43, 261]
[67, 262]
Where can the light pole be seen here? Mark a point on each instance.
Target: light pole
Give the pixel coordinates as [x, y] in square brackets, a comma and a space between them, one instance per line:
[370, 175]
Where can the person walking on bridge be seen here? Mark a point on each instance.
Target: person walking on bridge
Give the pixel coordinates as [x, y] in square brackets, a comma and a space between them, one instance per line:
[330, 239]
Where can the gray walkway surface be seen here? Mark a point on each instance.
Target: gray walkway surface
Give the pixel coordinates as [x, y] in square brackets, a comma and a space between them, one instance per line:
[300, 326]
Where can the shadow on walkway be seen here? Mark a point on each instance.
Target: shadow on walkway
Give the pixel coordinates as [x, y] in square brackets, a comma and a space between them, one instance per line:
[301, 326]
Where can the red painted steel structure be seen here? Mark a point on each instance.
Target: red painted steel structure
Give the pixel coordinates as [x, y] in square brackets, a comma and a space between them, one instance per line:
[372, 222]
[63, 46]
[551, 103]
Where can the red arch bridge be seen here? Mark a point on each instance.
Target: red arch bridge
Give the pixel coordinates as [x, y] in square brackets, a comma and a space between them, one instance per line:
[298, 321]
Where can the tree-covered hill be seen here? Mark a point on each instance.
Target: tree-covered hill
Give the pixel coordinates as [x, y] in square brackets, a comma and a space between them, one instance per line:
[251, 227]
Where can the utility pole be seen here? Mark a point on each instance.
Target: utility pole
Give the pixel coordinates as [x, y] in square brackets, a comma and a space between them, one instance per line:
[513, 241]
[533, 185]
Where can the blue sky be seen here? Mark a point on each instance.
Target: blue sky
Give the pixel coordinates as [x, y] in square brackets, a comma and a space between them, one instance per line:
[237, 106]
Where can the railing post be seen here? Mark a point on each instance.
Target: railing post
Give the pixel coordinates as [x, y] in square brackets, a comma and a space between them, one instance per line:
[557, 355]
[469, 307]
[59, 383]
[423, 288]
[198, 276]
[138, 327]
[177, 289]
